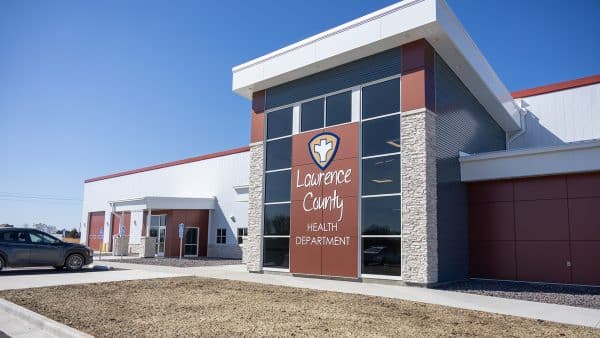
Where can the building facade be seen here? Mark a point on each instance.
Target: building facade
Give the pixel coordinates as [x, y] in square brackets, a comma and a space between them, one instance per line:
[385, 149]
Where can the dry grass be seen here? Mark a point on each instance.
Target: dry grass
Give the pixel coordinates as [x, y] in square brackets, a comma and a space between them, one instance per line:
[206, 307]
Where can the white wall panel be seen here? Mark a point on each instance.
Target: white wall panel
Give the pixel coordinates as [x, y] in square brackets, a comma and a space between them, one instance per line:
[212, 177]
[560, 117]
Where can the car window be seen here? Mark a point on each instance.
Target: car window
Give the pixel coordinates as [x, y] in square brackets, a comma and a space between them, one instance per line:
[40, 238]
[21, 237]
[8, 236]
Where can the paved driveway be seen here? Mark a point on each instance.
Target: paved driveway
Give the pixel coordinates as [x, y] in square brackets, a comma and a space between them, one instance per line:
[39, 277]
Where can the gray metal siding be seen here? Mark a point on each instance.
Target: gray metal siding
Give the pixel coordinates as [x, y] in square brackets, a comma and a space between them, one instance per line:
[368, 69]
[462, 125]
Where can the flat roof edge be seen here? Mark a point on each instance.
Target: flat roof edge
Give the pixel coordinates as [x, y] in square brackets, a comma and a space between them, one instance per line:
[569, 158]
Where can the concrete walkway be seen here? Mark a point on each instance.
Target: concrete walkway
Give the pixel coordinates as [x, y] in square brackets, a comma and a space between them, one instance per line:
[16, 327]
[549, 312]
[34, 278]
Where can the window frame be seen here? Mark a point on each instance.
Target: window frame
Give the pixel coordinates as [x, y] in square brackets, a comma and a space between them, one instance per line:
[356, 116]
[221, 236]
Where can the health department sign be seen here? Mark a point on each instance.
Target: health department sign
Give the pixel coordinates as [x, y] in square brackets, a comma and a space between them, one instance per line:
[324, 217]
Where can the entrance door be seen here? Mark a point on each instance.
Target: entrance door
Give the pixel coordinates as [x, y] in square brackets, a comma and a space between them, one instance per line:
[192, 237]
[96, 226]
[159, 232]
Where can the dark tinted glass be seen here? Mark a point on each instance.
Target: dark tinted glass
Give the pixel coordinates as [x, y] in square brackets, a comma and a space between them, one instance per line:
[277, 186]
[381, 175]
[381, 256]
[381, 136]
[279, 154]
[279, 123]
[277, 219]
[339, 108]
[311, 115]
[8, 236]
[381, 98]
[276, 252]
[381, 215]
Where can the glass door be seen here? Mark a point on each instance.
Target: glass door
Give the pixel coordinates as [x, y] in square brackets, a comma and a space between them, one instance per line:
[158, 230]
[192, 237]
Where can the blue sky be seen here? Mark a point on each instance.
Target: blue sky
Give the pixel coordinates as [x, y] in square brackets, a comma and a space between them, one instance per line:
[90, 88]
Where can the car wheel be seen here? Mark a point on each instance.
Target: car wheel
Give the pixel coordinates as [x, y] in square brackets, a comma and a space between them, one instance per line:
[1, 263]
[58, 267]
[74, 262]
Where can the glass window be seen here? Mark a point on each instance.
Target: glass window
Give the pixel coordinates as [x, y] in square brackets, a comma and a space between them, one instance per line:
[381, 256]
[8, 236]
[38, 237]
[381, 215]
[277, 219]
[339, 108]
[381, 98]
[381, 136]
[381, 175]
[221, 236]
[279, 123]
[277, 186]
[276, 252]
[241, 233]
[311, 115]
[279, 154]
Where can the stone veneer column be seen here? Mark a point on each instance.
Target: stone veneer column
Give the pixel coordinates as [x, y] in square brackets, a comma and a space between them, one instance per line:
[418, 165]
[419, 197]
[253, 243]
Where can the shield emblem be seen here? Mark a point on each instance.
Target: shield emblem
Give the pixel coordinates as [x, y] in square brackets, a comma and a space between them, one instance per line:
[322, 148]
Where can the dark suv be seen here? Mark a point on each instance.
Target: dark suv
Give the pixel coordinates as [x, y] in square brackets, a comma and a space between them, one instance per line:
[29, 247]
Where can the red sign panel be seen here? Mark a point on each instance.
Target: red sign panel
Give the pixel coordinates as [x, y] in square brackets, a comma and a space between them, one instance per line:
[324, 210]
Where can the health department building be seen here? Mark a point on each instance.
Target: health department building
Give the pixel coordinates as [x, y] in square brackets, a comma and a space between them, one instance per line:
[384, 148]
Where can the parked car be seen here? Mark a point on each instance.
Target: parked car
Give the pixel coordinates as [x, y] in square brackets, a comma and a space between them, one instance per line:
[21, 247]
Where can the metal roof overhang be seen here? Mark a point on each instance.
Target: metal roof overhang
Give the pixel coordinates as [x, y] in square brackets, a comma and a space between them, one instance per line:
[569, 158]
[387, 28]
[164, 203]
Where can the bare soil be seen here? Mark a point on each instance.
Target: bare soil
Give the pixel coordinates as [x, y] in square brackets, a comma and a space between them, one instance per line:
[191, 306]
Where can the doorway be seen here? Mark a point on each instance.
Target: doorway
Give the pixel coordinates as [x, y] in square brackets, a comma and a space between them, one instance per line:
[192, 239]
[158, 230]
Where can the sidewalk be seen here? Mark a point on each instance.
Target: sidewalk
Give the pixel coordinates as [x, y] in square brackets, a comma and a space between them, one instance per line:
[16, 327]
[543, 311]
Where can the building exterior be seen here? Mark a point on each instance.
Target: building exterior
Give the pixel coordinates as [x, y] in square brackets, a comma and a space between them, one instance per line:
[208, 194]
[385, 148]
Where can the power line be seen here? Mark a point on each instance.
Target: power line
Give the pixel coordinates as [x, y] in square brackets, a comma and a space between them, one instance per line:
[15, 195]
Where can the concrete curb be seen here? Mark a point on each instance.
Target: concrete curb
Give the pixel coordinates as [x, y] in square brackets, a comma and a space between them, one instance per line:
[45, 324]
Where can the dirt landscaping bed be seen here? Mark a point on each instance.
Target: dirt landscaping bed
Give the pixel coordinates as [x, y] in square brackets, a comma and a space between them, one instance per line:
[190, 306]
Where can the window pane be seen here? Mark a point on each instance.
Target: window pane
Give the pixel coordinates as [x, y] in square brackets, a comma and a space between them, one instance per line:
[381, 136]
[381, 98]
[381, 215]
[381, 175]
[381, 256]
[277, 186]
[311, 115]
[279, 123]
[279, 154]
[276, 252]
[339, 108]
[277, 219]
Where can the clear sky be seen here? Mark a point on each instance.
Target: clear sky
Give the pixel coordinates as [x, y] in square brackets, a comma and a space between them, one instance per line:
[89, 88]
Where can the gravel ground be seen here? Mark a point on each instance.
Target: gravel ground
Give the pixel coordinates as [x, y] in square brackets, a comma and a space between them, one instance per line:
[185, 262]
[583, 296]
[190, 306]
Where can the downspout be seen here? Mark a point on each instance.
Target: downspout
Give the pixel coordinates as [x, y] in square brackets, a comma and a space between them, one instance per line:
[522, 114]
